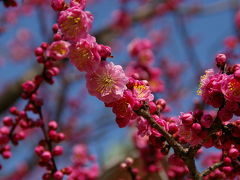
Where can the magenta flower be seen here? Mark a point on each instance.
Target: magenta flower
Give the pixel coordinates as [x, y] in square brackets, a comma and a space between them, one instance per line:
[79, 3]
[58, 50]
[84, 54]
[186, 118]
[189, 135]
[231, 88]
[104, 51]
[107, 83]
[146, 57]
[138, 45]
[142, 92]
[57, 5]
[123, 107]
[143, 126]
[75, 23]
[210, 88]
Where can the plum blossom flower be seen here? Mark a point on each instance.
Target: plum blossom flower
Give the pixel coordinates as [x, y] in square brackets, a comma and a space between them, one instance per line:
[58, 50]
[210, 88]
[123, 107]
[189, 135]
[104, 51]
[108, 82]
[84, 54]
[231, 88]
[57, 5]
[146, 57]
[79, 3]
[75, 23]
[143, 126]
[121, 19]
[138, 45]
[186, 118]
[141, 91]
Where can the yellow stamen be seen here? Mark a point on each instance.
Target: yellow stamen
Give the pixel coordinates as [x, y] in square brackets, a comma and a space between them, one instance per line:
[140, 90]
[234, 87]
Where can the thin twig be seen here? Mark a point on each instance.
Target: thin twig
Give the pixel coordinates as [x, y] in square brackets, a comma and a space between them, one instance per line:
[211, 169]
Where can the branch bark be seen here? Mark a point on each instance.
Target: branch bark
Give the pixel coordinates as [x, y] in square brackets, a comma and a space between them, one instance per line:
[186, 154]
[211, 169]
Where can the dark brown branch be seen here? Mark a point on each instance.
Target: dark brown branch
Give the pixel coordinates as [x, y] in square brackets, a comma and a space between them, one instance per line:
[178, 149]
[48, 141]
[211, 169]
[186, 154]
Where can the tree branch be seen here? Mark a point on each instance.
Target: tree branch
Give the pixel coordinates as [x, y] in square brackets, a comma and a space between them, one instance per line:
[186, 154]
[211, 169]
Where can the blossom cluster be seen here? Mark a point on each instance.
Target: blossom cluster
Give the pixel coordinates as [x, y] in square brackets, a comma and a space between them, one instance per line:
[126, 92]
[218, 129]
[84, 165]
[222, 90]
[141, 51]
[17, 126]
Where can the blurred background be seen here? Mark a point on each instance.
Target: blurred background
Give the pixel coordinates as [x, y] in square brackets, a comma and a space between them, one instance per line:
[186, 39]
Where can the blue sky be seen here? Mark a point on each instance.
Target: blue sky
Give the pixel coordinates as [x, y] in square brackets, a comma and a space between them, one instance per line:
[209, 30]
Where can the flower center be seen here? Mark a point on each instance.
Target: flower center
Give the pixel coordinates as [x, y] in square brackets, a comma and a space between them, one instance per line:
[234, 87]
[75, 20]
[84, 53]
[59, 49]
[140, 90]
[104, 84]
[203, 80]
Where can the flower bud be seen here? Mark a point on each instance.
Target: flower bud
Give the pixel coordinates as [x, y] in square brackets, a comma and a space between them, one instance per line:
[206, 120]
[57, 150]
[46, 156]
[52, 125]
[7, 121]
[221, 60]
[58, 175]
[57, 5]
[187, 118]
[6, 154]
[233, 153]
[38, 51]
[196, 127]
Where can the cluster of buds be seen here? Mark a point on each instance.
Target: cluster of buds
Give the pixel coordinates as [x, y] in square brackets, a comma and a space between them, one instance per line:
[194, 127]
[150, 154]
[127, 164]
[84, 165]
[177, 168]
[14, 130]
[46, 152]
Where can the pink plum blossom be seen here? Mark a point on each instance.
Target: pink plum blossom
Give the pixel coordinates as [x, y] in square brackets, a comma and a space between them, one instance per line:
[84, 54]
[79, 3]
[231, 88]
[58, 50]
[107, 83]
[210, 88]
[141, 91]
[137, 45]
[146, 57]
[75, 23]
